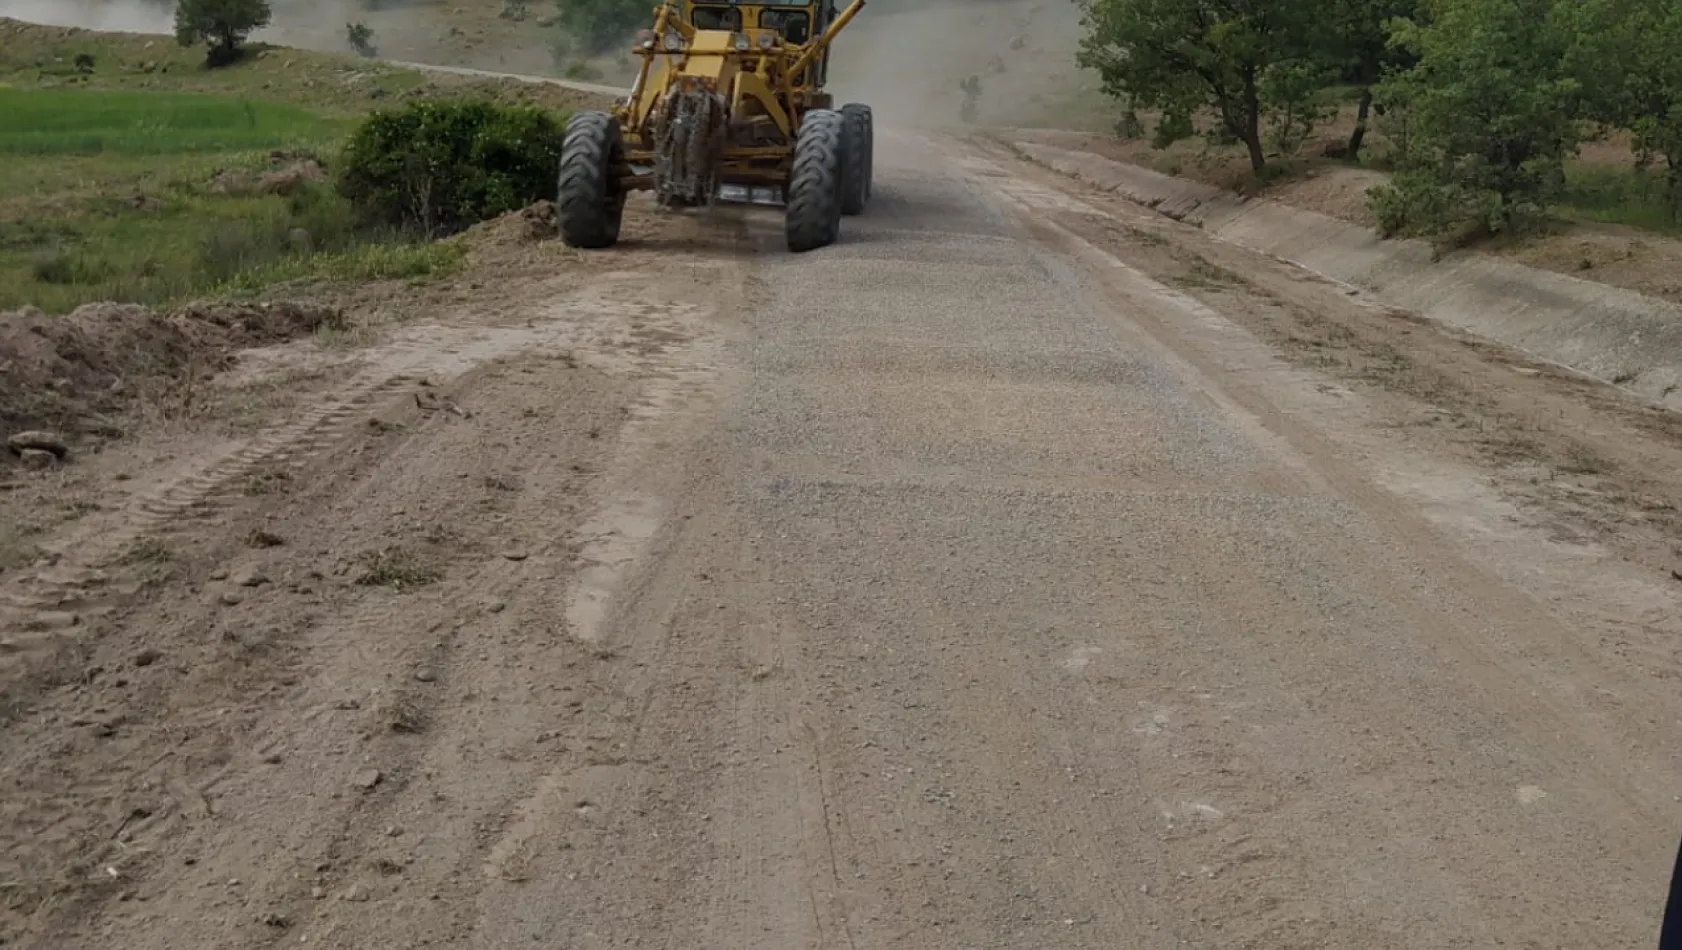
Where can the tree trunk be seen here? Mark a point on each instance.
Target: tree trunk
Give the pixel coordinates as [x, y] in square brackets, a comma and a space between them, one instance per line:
[1359, 136]
[1673, 184]
[1251, 132]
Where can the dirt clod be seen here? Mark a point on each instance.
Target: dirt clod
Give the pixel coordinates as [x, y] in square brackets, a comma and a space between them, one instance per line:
[37, 440]
[287, 181]
[250, 576]
[37, 459]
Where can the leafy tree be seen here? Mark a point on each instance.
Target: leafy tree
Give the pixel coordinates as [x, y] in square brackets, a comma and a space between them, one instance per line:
[1361, 46]
[223, 24]
[360, 36]
[1628, 56]
[1241, 59]
[1492, 118]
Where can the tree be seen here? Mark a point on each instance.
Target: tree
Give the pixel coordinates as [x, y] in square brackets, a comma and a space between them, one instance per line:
[1492, 118]
[223, 24]
[360, 36]
[1240, 59]
[1627, 55]
[1361, 44]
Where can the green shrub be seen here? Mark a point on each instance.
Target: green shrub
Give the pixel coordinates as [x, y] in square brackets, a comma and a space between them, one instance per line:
[437, 167]
[221, 24]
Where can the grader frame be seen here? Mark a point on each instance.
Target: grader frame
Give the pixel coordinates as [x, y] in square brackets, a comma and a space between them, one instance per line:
[730, 94]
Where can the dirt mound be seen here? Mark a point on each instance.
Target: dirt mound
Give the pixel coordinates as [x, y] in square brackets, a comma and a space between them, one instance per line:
[288, 180]
[71, 374]
[535, 222]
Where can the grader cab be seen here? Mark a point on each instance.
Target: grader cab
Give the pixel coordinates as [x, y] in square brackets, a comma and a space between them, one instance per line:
[730, 95]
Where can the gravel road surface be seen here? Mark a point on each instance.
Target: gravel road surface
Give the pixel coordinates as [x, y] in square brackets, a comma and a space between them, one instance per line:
[1001, 577]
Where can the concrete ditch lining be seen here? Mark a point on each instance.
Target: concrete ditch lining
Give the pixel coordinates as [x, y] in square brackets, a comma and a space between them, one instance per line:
[1615, 335]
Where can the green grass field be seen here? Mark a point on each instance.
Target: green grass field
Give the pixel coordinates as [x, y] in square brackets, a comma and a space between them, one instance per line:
[129, 171]
[74, 122]
[149, 197]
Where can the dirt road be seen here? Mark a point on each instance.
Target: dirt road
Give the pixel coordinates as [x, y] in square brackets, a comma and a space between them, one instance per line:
[1025, 571]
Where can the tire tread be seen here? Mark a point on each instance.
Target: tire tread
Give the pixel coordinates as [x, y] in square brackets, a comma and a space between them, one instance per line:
[814, 186]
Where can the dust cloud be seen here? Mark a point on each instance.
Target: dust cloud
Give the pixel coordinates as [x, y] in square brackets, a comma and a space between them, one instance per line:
[471, 34]
[123, 16]
[910, 65]
[909, 59]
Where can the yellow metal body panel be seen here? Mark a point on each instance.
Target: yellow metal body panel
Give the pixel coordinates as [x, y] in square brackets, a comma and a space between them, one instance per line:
[763, 77]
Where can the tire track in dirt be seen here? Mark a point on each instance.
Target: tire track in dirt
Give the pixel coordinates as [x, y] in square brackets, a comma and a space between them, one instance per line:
[605, 320]
[435, 687]
[561, 795]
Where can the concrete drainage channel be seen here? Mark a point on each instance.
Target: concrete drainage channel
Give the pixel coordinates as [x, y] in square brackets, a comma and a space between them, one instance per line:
[1615, 335]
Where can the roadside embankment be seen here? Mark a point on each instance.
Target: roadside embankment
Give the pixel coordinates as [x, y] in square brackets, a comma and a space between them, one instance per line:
[1616, 335]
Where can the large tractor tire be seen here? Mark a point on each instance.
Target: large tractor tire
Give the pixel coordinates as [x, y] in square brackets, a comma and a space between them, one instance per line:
[858, 157]
[590, 203]
[814, 186]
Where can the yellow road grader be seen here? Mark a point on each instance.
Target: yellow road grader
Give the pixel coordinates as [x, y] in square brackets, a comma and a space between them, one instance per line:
[729, 96]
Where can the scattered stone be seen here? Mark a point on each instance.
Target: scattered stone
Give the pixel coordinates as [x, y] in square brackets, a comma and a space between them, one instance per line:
[37, 459]
[496, 606]
[46, 620]
[357, 893]
[367, 779]
[231, 599]
[265, 539]
[220, 574]
[251, 576]
[38, 440]
[425, 675]
[277, 921]
[516, 554]
[318, 892]
[147, 657]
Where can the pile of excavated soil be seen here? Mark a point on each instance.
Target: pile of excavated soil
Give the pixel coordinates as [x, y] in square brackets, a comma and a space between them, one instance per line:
[70, 374]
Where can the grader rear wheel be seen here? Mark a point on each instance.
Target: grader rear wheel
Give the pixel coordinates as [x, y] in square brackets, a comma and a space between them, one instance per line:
[858, 148]
[814, 186]
[590, 203]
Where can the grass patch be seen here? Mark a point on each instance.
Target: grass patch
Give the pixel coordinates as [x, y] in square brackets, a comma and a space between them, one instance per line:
[1618, 194]
[365, 262]
[119, 124]
[35, 57]
[150, 197]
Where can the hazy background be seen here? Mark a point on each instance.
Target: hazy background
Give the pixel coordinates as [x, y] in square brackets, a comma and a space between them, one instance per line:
[905, 57]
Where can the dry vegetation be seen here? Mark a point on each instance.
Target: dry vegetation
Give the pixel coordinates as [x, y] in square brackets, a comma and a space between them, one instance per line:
[1611, 232]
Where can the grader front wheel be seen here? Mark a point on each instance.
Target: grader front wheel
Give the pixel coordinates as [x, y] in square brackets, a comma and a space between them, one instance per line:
[858, 148]
[590, 203]
[814, 186]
